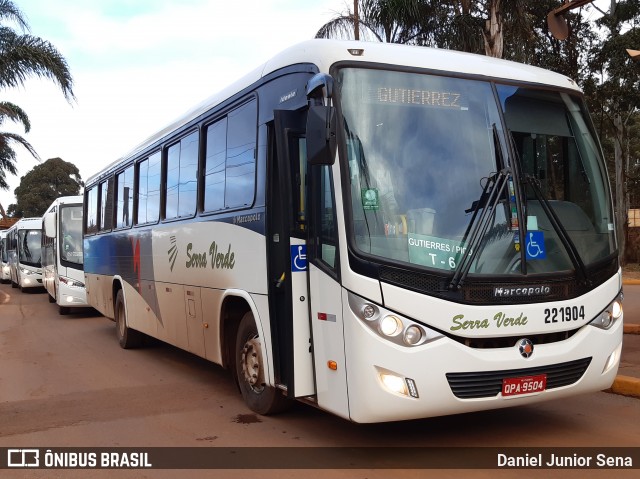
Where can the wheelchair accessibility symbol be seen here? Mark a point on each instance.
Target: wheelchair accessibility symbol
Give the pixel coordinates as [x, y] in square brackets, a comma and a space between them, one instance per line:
[535, 245]
[298, 258]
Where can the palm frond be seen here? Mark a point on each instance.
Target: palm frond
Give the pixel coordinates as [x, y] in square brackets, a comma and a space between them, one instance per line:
[14, 113]
[23, 56]
[6, 140]
[9, 11]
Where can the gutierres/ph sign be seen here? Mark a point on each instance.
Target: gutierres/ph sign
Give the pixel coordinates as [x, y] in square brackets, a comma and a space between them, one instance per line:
[434, 252]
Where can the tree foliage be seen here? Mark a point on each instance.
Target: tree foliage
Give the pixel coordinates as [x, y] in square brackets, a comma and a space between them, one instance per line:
[23, 56]
[43, 184]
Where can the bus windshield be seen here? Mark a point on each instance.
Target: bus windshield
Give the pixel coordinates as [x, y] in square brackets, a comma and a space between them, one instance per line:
[421, 149]
[29, 247]
[71, 234]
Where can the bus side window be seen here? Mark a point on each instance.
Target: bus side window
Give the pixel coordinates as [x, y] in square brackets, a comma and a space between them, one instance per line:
[241, 156]
[124, 182]
[182, 167]
[106, 205]
[215, 162]
[92, 211]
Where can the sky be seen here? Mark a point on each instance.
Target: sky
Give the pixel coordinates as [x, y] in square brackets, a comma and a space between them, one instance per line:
[139, 64]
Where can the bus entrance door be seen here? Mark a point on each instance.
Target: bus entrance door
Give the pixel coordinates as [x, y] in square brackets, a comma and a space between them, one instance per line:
[287, 246]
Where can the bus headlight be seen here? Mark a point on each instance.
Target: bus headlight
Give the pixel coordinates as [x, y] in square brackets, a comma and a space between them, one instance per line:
[397, 383]
[390, 325]
[394, 383]
[412, 335]
[26, 271]
[616, 309]
[611, 313]
[369, 311]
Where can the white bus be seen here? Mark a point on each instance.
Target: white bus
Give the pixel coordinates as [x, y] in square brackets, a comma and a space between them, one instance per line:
[383, 231]
[62, 260]
[5, 277]
[24, 253]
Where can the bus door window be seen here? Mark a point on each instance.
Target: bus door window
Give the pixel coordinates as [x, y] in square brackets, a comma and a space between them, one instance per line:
[298, 148]
[325, 218]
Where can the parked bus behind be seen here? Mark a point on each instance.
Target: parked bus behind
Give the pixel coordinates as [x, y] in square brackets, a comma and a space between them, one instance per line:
[62, 260]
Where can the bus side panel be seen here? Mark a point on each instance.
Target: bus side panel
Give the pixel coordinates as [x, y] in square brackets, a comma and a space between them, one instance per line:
[99, 293]
[173, 326]
[140, 316]
[211, 306]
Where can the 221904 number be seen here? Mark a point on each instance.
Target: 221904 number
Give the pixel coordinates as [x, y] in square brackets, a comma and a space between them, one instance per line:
[563, 315]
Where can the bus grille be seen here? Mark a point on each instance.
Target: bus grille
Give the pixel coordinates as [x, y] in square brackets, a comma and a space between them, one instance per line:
[486, 384]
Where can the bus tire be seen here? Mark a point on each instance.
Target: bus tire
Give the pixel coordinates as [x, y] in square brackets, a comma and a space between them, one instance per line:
[250, 372]
[127, 337]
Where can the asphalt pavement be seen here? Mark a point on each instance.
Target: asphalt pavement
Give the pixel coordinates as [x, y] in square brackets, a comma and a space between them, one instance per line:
[627, 381]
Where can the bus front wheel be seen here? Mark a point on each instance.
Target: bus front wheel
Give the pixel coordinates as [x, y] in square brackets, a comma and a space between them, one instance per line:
[127, 337]
[250, 371]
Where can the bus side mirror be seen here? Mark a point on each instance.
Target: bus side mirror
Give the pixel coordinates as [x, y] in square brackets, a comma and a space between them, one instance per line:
[321, 121]
[321, 135]
[50, 225]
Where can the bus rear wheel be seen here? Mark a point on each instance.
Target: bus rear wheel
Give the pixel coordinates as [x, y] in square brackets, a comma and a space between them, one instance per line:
[127, 337]
[250, 371]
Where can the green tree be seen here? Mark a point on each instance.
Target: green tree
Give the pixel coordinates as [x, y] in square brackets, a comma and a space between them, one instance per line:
[391, 21]
[23, 56]
[43, 184]
[613, 88]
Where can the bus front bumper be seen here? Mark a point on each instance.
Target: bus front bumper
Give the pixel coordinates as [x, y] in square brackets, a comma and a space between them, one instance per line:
[378, 369]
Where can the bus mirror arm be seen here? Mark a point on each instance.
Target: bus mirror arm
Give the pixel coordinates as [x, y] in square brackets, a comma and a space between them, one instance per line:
[320, 86]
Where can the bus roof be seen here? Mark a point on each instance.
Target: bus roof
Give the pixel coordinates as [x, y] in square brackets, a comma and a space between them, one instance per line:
[61, 200]
[325, 53]
[25, 223]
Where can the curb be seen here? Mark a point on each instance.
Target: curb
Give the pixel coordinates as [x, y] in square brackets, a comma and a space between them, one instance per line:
[630, 281]
[631, 329]
[626, 386]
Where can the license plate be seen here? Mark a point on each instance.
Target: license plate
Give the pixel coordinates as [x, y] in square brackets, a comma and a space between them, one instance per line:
[524, 385]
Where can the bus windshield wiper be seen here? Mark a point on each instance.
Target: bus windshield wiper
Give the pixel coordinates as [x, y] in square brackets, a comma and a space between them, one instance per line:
[559, 228]
[491, 193]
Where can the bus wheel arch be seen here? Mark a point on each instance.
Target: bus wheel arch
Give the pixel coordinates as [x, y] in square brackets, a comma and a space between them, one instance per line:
[250, 371]
[231, 313]
[127, 337]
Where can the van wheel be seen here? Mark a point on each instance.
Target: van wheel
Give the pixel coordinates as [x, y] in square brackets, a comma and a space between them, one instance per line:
[250, 371]
[127, 337]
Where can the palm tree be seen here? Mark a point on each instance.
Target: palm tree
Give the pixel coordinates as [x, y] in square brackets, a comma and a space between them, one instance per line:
[12, 112]
[22, 56]
[391, 21]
